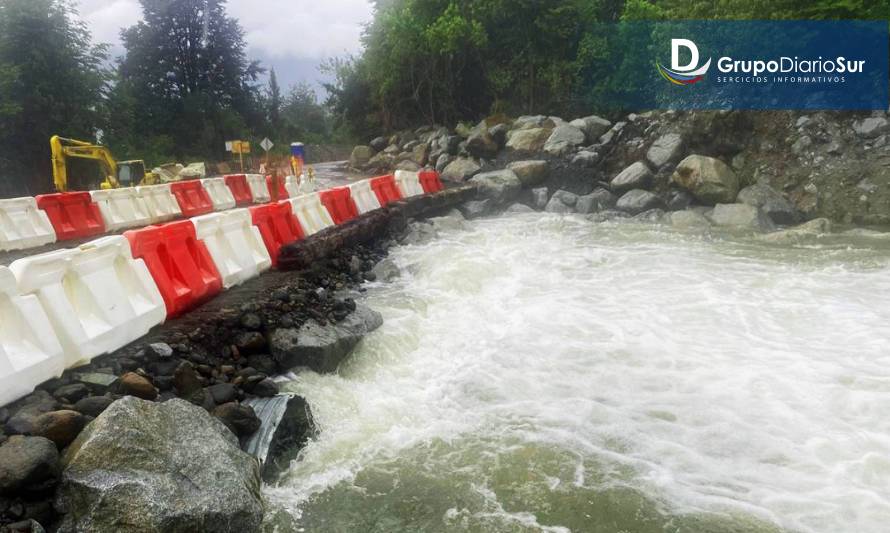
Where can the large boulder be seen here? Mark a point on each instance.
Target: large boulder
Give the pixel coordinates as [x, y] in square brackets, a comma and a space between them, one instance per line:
[499, 186]
[740, 216]
[561, 202]
[637, 201]
[530, 173]
[798, 234]
[689, 219]
[636, 176]
[593, 127]
[528, 140]
[378, 144]
[460, 170]
[598, 200]
[145, 466]
[666, 149]
[360, 156]
[527, 122]
[323, 347]
[871, 127]
[381, 162]
[481, 144]
[564, 139]
[420, 154]
[710, 180]
[26, 462]
[771, 202]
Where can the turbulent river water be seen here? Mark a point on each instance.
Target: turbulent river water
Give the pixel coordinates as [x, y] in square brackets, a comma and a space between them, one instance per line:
[546, 373]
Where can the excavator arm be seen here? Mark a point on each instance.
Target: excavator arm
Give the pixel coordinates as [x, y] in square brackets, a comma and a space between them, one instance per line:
[63, 148]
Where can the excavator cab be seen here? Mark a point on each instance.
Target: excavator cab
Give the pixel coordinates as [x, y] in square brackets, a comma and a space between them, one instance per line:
[131, 173]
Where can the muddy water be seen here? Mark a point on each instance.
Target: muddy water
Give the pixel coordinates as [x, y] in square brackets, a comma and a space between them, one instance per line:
[545, 373]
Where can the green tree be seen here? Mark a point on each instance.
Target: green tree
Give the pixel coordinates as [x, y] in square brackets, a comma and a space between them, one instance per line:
[188, 78]
[274, 102]
[51, 82]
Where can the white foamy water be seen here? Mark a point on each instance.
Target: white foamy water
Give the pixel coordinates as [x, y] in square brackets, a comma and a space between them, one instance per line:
[544, 373]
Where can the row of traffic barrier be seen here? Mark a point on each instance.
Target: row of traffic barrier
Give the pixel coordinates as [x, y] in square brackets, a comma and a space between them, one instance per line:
[33, 222]
[61, 309]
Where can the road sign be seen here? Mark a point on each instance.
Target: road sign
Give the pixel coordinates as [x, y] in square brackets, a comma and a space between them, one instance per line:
[267, 144]
[238, 147]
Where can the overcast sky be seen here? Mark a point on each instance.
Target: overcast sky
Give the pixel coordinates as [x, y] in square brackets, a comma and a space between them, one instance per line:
[293, 36]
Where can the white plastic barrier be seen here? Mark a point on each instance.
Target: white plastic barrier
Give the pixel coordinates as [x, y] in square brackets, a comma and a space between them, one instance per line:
[29, 351]
[121, 208]
[23, 225]
[235, 245]
[219, 193]
[304, 187]
[258, 188]
[408, 183]
[160, 202]
[97, 297]
[364, 197]
[313, 216]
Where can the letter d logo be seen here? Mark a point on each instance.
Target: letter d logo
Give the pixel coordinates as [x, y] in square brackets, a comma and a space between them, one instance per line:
[688, 69]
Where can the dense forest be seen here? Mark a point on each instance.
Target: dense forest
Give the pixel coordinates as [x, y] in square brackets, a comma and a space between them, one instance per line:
[185, 84]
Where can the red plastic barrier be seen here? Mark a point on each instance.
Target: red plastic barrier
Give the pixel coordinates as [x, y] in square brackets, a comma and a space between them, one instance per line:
[72, 214]
[339, 204]
[282, 191]
[192, 198]
[429, 180]
[179, 263]
[277, 225]
[386, 189]
[237, 183]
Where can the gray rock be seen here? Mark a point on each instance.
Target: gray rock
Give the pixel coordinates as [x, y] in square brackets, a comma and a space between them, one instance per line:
[561, 202]
[710, 180]
[482, 144]
[499, 186]
[593, 127]
[378, 144]
[689, 219]
[586, 158]
[528, 140]
[442, 162]
[598, 200]
[222, 393]
[420, 154]
[499, 134]
[799, 234]
[564, 139]
[392, 149]
[740, 216]
[409, 165]
[526, 122]
[360, 156]
[519, 208]
[539, 197]
[636, 176]
[460, 170]
[26, 462]
[419, 232]
[476, 208]
[453, 221]
[771, 202]
[382, 162]
[530, 173]
[323, 348]
[607, 215]
[871, 127]
[614, 132]
[160, 350]
[70, 394]
[637, 201]
[386, 270]
[144, 466]
[679, 200]
[655, 216]
[410, 145]
[800, 145]
[666, 149]
[93, 406]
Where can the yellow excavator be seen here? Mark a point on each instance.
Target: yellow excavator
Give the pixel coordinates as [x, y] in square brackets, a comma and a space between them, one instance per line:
[117, 173]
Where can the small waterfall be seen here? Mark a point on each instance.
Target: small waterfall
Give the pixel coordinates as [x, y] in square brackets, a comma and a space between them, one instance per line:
[270, 412]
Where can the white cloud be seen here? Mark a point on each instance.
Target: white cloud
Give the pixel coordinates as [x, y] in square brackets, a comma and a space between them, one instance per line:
[299, 29]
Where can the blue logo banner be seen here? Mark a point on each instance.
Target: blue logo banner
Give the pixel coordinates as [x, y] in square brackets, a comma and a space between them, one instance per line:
[814, 65]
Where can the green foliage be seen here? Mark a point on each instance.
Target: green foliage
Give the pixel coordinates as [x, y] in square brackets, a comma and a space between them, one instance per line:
[51, 82]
